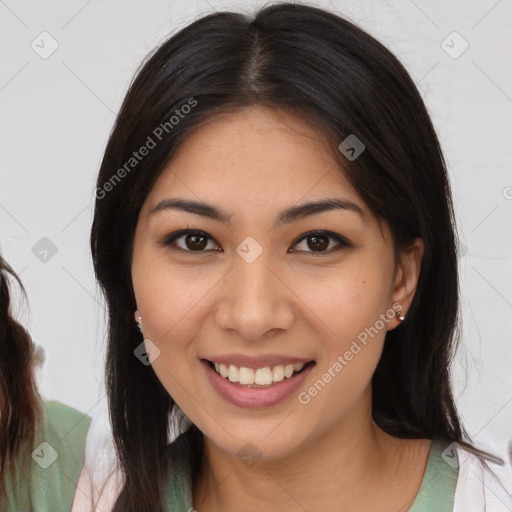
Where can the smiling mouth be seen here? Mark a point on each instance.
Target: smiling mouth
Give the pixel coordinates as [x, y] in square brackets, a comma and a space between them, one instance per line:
[261, 377]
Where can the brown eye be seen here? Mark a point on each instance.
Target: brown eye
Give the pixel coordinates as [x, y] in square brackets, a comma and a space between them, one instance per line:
[196, 242]
[190, 241]
[319, 242]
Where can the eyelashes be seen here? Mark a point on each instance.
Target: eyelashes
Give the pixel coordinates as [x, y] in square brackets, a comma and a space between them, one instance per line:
[319, 238]
[197, 241]
[195, 236]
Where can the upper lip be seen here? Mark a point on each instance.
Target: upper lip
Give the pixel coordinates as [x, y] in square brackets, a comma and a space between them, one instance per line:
[262, 361]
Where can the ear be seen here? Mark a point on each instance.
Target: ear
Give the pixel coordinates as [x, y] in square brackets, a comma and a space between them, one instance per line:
[406, 279]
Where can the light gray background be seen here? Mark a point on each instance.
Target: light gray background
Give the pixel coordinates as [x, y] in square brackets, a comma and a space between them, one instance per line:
[56, 114]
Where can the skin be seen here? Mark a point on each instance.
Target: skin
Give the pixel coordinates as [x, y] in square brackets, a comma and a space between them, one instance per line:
[293, 300]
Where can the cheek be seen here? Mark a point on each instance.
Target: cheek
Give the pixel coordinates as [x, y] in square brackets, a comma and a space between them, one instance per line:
[173, 313]
[344, 302]
[169, 297]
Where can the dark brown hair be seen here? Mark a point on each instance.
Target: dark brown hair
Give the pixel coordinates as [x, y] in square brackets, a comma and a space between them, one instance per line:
[19, 398]
[334, 75]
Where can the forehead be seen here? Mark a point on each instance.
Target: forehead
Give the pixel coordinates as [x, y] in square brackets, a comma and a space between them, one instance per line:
[255, 155]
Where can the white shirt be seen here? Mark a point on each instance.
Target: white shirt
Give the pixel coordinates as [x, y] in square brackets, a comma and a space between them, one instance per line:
[477, 490]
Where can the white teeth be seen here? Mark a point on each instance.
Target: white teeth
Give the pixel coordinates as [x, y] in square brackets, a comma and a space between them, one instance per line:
[288, 370]
[222, 370]
[278, 373]
[233, 373]
[263, 376]
[246, 375]
[260, 377]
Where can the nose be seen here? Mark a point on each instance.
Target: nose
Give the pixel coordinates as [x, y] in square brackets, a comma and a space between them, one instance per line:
[255, 300]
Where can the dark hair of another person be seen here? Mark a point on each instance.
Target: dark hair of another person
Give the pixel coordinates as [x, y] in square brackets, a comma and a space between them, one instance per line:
[342, 81]
[19, 398]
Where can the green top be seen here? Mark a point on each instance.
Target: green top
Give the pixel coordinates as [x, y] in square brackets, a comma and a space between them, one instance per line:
[47, 480]
[436, 492]
[437, 488]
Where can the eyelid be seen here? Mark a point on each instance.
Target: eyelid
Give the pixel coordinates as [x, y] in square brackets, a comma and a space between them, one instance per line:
[342, 241]
[169, 240]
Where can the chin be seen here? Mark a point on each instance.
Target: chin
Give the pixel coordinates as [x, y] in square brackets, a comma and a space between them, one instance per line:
[251, 446]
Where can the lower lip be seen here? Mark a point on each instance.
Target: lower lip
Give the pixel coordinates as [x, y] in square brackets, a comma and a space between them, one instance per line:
[256, 397]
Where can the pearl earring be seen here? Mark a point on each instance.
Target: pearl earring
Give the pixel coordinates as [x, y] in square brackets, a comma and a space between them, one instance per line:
[139, 323]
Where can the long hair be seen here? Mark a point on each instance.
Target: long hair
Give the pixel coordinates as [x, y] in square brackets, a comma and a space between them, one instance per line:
[19, 398]
[341, 80]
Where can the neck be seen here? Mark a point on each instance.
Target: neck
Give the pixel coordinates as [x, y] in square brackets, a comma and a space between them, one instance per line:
[337, 466]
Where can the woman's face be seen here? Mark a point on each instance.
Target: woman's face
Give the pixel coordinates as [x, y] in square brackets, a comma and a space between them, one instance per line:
[254, 294]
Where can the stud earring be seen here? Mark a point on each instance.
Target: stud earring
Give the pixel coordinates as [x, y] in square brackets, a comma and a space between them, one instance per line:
[400, 317]
[139, 323]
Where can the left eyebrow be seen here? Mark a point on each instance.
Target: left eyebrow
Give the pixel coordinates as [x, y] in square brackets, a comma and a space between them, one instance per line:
[285, 217]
